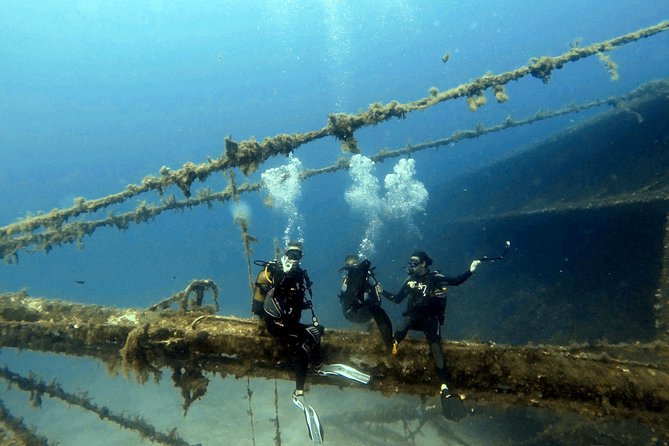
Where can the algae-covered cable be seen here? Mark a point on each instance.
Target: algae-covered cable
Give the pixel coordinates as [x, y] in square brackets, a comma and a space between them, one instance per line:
[248, 155]
[75, 231]
[38, 388]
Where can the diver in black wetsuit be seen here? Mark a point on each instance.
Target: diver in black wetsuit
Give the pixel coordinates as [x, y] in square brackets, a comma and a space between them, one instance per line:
[426, 307]
[360, 297]
[279, 298]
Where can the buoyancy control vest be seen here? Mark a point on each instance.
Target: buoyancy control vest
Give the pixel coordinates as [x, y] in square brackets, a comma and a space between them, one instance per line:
[426, 295]
[278, 294]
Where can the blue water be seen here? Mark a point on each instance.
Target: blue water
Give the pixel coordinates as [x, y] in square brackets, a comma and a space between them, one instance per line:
[96, 95]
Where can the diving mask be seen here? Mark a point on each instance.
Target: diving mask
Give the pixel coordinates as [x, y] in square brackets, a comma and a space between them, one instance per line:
[293, 254]
[416, 266]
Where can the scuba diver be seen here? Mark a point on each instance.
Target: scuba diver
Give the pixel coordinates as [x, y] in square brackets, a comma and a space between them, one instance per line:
[426, 307]
[279, 297]
[360, 297]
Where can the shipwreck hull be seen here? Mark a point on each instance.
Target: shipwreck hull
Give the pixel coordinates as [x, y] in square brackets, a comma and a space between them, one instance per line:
[587, 212]
[623, 380]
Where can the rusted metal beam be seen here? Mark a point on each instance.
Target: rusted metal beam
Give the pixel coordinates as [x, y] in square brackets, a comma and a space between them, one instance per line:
[628, 380]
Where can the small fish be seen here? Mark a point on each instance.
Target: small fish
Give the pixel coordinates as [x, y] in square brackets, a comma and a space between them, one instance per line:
[445, 57]
[80, 282]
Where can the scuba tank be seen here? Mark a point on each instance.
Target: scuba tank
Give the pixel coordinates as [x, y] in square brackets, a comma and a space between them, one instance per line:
[291, 291]
[357, 295]
[262, 286]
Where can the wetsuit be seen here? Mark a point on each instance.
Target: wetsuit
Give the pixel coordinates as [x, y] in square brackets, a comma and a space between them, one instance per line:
[282, 310]
[362, 304]
[426, 308]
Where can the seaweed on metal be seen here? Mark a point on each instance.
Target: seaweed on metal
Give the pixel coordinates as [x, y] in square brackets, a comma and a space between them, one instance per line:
[37, 388]
[248, 155]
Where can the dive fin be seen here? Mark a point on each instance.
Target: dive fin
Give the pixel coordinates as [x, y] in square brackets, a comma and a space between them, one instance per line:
[452, 406]
[345, 371]
[314, 428]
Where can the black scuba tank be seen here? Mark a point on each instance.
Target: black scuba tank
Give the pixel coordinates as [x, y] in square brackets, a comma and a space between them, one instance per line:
[352, 295]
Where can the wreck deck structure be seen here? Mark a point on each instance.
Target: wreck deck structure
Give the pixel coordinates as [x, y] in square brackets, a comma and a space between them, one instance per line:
[621, 380]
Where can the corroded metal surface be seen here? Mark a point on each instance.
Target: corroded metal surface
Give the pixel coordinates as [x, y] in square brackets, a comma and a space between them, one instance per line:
[629, 380]
[662, 293]
[618, 158]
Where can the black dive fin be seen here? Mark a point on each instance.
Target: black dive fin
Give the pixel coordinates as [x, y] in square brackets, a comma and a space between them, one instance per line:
[314, 428]
[452, 406]
[345, 371]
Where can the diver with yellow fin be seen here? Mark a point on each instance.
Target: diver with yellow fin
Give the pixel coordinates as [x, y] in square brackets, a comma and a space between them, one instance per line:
[279, 297]
[425, 291]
